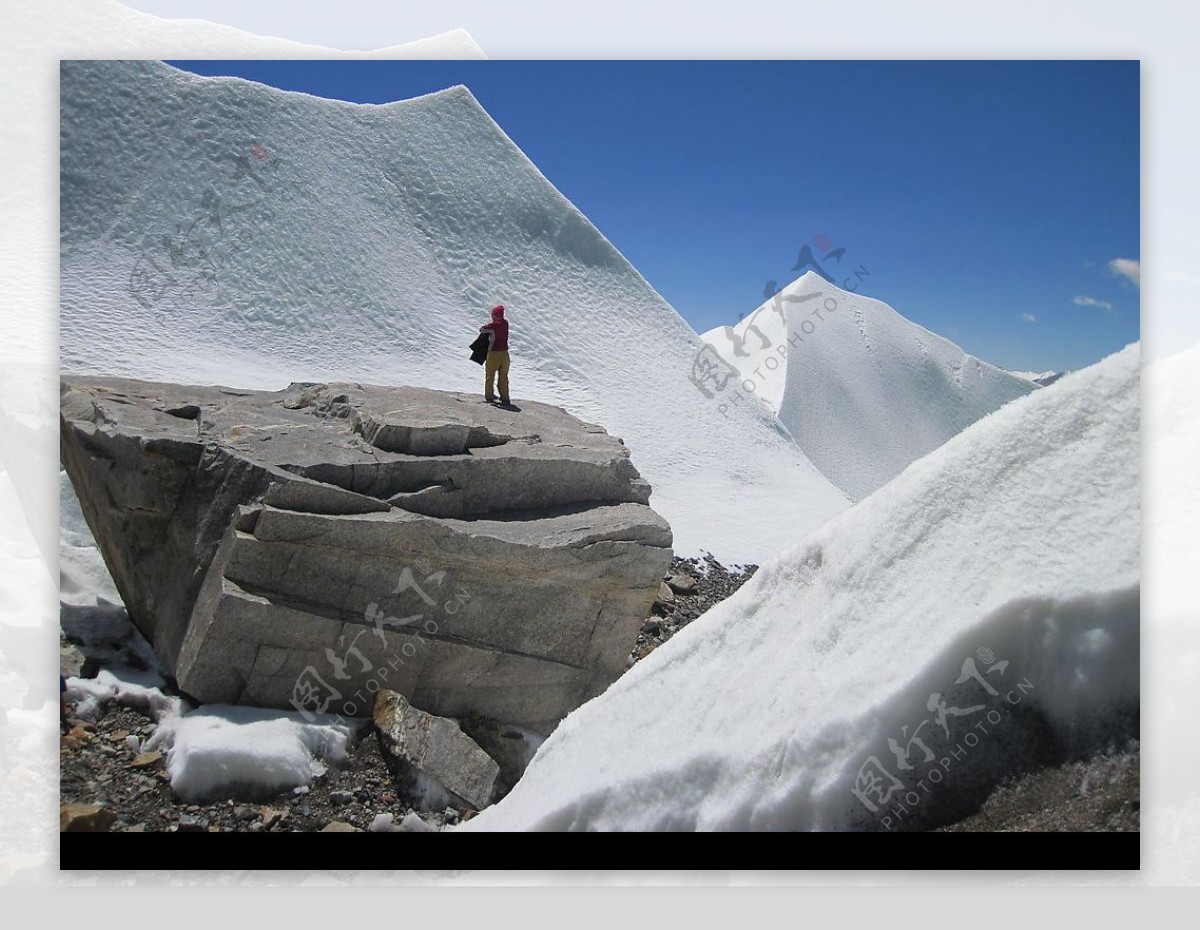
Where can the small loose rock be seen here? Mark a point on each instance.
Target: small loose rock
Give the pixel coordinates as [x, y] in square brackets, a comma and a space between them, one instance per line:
[682, 583]
[85, 818]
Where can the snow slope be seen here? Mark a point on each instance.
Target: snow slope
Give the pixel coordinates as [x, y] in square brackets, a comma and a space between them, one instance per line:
[34, 38]
[863, 390]
[217, 230]
[1016, 542]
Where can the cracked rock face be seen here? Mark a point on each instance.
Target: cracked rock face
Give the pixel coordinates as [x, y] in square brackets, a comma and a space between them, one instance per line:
[304, 549]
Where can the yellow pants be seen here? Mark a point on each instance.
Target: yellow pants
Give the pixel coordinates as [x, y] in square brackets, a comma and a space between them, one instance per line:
[496, 364]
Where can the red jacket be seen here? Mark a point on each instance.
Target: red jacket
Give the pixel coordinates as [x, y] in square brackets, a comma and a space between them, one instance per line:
[499, 331]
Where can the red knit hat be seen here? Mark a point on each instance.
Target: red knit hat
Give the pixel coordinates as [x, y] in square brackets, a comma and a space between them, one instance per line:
[498, 310]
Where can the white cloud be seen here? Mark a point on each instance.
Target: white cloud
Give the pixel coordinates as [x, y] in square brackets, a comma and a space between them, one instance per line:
[1028, 317]
[1129, 268]
[1082, 301]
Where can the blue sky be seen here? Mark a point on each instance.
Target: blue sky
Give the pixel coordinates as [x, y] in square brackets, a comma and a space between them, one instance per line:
[987, 200]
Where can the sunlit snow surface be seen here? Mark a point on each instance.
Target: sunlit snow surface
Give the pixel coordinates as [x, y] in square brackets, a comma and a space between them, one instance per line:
[1000, 573]
[215, 230]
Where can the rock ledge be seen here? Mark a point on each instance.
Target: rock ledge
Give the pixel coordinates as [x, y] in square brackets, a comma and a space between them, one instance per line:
[309, 547]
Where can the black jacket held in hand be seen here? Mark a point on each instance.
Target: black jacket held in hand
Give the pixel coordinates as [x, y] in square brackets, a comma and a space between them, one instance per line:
[479, 348]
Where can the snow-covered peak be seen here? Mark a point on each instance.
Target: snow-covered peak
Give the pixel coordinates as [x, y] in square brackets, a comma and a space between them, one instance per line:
[863, 390]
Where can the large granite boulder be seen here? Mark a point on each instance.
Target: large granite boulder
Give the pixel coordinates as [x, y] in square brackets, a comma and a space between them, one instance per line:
[309, 547]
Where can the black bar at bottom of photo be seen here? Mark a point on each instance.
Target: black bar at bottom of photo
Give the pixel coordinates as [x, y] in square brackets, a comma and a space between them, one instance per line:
[910, 853]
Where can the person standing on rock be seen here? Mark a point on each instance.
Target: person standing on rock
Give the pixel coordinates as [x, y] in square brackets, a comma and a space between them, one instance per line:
[496, 367]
